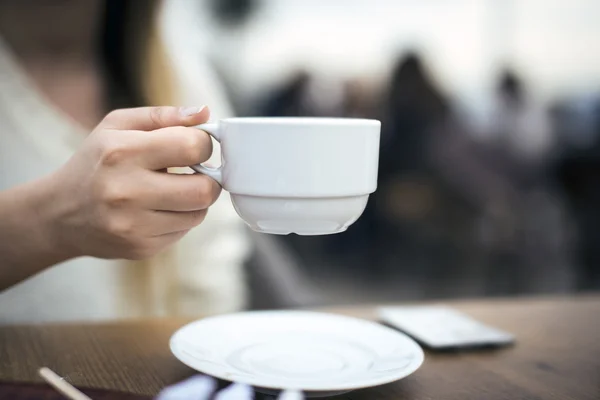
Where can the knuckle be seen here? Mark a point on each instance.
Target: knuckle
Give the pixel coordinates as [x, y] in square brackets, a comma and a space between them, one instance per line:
[115, 196]
[113, 117]
[113, 153]
[121, 227]
[191, 148]
[157, 115]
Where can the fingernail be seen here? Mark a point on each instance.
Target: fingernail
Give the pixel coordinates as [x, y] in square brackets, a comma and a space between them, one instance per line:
[189, 111]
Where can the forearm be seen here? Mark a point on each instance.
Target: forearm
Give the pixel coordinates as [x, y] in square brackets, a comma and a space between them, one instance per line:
[27, 242]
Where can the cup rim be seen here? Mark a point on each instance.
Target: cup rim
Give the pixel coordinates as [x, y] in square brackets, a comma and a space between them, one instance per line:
[304, 120]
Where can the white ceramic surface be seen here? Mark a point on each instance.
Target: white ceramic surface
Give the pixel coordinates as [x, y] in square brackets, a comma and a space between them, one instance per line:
[308, 176]
[314, 352]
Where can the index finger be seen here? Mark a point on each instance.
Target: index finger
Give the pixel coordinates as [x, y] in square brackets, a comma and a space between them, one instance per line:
[152, 118]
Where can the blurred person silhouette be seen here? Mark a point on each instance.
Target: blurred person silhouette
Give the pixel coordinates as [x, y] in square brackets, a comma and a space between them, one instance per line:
[525, 222]
[577, 170]
[404, 201]
[521, 127]
[454, 208]
[415, 105]
[517, 228]
[64, 65]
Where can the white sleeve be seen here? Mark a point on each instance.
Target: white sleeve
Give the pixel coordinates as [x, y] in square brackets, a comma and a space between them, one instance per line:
[211, 257]
[210, 261]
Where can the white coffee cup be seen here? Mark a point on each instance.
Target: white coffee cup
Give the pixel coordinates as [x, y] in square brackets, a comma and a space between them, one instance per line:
[309, 176]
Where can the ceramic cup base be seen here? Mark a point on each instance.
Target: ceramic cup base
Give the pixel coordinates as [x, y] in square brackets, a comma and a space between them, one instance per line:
[302, 216]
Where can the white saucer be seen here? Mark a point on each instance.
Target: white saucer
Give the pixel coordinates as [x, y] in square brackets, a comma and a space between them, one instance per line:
[309, 351]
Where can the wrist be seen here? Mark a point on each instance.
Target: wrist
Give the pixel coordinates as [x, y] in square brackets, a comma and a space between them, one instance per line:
[29, 239]
[47, 202]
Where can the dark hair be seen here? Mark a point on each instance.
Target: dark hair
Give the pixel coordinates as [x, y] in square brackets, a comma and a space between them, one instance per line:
[125, 29]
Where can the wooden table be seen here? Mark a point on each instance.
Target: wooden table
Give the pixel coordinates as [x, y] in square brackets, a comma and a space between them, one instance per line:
[557, 355]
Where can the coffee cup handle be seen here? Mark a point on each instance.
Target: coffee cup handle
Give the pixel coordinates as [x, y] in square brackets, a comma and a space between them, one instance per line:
[216, 173]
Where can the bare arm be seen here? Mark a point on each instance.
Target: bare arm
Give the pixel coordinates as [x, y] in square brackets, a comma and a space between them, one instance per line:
[26, 232]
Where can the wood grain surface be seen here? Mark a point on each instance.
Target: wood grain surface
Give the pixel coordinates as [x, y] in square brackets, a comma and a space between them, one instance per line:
[557, 355]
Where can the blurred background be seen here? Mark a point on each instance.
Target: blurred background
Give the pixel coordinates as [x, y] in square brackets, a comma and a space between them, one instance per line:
[489, 180]
[489, 173]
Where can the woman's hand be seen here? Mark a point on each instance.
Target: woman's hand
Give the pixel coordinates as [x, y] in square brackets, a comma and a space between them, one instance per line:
[114, 199]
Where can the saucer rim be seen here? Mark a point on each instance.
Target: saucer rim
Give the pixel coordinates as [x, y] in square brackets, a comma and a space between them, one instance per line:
[414, 365]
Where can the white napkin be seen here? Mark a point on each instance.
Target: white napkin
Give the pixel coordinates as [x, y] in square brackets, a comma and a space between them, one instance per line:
[202, 388]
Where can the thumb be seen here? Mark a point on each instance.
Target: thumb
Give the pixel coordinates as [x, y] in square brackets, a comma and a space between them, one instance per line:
[151, 118]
